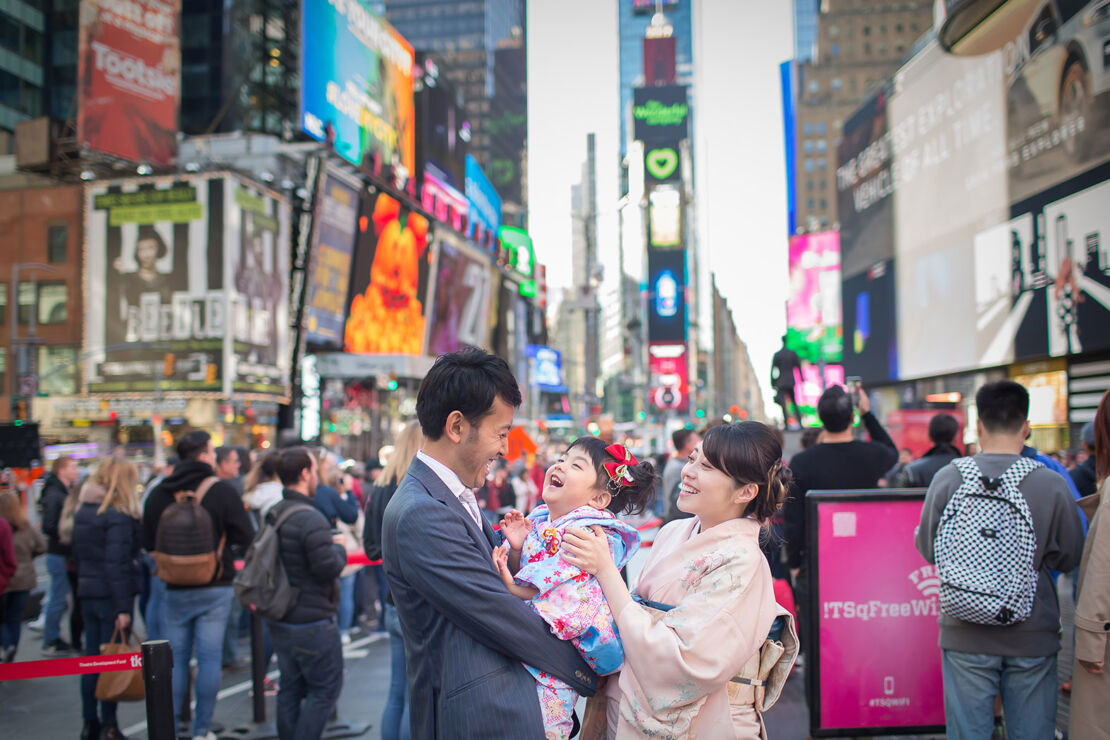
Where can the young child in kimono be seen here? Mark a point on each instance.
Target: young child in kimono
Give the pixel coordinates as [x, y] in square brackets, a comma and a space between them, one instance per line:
[589, 485]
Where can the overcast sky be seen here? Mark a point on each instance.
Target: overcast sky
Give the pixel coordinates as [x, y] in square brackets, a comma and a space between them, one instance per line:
[573, 83]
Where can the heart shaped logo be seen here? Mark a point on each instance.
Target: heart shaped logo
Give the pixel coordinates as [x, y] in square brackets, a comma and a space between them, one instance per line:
[661, 163]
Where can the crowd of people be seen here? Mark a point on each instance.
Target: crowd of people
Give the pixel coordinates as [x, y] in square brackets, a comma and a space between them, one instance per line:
[501, 585]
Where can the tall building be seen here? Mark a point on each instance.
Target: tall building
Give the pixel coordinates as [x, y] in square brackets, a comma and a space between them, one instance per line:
[737, 384]
[466, 36]
[805, 29]
[859, 43]
[22, 62]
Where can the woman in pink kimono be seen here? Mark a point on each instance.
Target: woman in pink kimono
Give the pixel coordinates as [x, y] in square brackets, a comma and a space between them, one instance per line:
[704, 602]
[587, 487]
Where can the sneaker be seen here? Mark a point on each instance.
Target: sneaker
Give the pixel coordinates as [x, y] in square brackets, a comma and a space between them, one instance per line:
[8, 655]
[345, 638]
[57, 648]
[270, 687]
[37, 625]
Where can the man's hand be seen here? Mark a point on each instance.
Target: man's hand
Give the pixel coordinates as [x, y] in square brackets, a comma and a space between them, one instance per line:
[515, 526]
[123, 622]
[863, 403]
[1095, 668]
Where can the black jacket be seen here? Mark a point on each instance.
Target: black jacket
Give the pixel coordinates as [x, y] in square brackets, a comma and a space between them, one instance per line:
[222, 502]
[920, 472]
[51, 501]
[106, 550]
[1083, 475]
[312, 561]
[375, 510]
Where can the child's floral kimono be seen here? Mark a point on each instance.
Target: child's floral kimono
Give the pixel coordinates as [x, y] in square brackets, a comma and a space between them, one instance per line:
[571, 601]
[675, 682]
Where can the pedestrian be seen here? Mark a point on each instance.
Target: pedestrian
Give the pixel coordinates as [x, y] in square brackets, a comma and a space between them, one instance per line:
[306, 639]
[106, 548]
[524, 490]
[684, 441]
[395, 717]
[61, 479]
[1083, 474]
[227, 467]
[467, 637]
[1090, 711]
[8, 564]
[943, 429]
[704, 602]
[351, 535]
[784, 365]
[905, 457]
[587, 488]
[836, 462]
[263, 489]
[27, 544]
[335, 505]
[1013, 650]
[196, 616]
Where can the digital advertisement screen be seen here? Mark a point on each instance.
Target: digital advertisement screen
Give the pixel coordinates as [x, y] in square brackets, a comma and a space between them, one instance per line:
[389, 281]
[129, 79]
[660, 113]
[356, 83]
[462, 297]
[662, 163]
[667, 295]
[665, 217]
[890, 617]
[485, 203]
[444, 130]
[332, 247]
[546, 369]
[669, 368]
[813, 317]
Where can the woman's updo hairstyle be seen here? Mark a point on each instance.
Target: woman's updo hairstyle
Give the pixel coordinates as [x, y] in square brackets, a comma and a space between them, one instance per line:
[750, 452]
[631, 498]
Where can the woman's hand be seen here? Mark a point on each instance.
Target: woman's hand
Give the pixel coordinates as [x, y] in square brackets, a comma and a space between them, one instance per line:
[123, 622]
[588, 549]
[515, 527]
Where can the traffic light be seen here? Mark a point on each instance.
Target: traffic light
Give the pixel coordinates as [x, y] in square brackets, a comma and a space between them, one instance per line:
[392, 384]
[700, 413]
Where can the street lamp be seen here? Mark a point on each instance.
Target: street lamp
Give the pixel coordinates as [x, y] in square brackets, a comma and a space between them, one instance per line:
[13, 328]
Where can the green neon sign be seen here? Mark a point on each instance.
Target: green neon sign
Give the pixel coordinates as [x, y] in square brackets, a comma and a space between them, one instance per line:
[661, 163]
[522, 255]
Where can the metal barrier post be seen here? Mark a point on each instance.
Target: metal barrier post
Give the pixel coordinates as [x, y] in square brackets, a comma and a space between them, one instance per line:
[158, 680]
[258, 669]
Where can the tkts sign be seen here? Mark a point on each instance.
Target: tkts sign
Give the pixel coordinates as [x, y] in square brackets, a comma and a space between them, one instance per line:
[660, 113]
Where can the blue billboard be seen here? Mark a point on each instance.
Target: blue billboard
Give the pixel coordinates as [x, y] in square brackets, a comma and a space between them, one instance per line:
[485, 203]
[547, 368]
[356, 84]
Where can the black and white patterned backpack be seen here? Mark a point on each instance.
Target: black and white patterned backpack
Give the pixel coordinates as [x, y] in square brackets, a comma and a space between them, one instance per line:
[986, 546]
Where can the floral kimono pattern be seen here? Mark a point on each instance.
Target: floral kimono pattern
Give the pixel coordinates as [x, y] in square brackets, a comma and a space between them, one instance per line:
[572, 603]
[675, 680]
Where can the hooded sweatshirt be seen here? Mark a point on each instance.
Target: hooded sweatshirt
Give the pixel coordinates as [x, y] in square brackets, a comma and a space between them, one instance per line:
[222, 502]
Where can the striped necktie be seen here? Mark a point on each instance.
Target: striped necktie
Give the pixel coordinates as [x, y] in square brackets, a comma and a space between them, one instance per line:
[471, 504]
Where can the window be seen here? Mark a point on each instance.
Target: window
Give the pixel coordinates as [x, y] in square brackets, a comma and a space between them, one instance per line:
[820, 128]
[836, 84]
[809, 146]
[867, 30]
[809, 165]
[822, 184]
[808, 128]
[57, 370]
[821, 164]
[809, 204]
[809, 184]
[26, 302]
[53, 306]
[899, 28]
[821, 146]
[882, 29]
[56, 238]
[814, 86]
[867, 48]
[824, 203]
[834, 50]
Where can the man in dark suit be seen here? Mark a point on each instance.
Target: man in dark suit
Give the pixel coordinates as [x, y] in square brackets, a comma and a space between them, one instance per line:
[466, 636]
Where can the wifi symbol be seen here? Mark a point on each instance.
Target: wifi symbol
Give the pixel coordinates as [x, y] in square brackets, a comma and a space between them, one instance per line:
[929, 586]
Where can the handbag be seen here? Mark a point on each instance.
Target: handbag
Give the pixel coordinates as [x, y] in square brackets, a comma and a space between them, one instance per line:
[119, 686]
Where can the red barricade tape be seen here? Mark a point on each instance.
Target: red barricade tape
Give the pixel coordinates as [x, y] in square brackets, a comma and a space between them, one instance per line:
[70, 666]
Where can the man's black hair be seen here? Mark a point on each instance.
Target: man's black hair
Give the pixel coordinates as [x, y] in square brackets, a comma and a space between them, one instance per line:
[1003, 406]
[223, 452]
[291, 462]
[466, 381]
[943, 429]
[835, 409]
[193, 444]
[680, 437]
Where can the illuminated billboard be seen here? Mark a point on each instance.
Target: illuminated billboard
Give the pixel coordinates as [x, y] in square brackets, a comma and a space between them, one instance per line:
[129, 79]
[660, 113]
[389, 282]
[666, 295]
[333, 243]
[462, 296]
[356, 83]
[485, 203]
[813, 303]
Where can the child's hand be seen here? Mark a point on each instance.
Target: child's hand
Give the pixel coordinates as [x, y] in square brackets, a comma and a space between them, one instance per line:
[515, 526]
[501, 561]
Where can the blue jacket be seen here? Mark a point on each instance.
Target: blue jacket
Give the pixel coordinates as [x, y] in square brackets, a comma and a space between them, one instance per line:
[334, 505]
[106, 549]
[466, 636]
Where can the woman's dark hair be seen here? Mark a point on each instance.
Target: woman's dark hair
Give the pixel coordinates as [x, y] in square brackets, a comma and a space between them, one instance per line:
[466, 381]
[148, 232]
[750, 452]
[632, 498]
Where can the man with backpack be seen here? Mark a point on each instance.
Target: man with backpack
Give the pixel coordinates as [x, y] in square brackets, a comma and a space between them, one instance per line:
[56, 486]
[994, 525]
[305, 634]
[189, 523]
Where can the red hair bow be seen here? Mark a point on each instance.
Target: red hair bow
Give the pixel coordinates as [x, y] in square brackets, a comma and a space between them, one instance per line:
[618, 471]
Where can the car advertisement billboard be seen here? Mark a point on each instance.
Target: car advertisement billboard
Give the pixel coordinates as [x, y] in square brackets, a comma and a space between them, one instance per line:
[666, 295]
[461, 300]
[186, 287]
[129, 78]
[356, 83]
[334, 231]
[389, 280]
[878, 667]
[1013, 149]
[660, 113]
